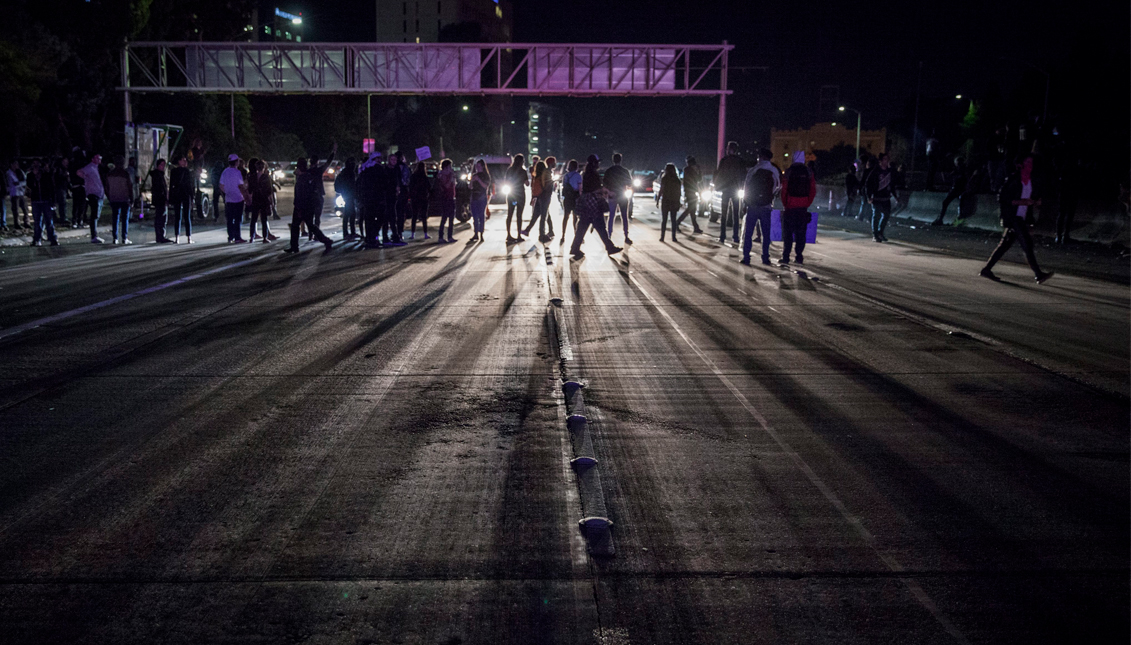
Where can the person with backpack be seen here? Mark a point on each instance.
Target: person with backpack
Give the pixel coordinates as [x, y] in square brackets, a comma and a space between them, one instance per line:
[1019, 196]
[798, 189]
[692, 184]
[670, 188]
[120, 194]
[763, 182]
[444, 192]
[878, 191]
[571, 190]
[728, 180]
[345, 185]
[418, 190]
[517, 180]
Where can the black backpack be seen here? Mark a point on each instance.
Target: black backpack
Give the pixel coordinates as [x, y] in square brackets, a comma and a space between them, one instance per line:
[760, 187]
[798, 180]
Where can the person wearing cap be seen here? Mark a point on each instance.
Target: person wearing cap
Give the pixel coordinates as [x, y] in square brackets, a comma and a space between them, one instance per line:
[591, 205]
[235, 194]
[692, 180]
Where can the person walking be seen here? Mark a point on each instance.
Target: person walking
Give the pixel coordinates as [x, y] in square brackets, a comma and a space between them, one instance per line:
[878, 191]
[480, 194]
[260, 190]
[958, 180]
[16, 179]
[444, 194]
[692, 185]
[516, 180]
[180, 198]
[798, 189]
[40, 189]
[669, 196]
[61, 177]
[763, 182]
[419, 188]
[1019, 196]
[345, 185]
[235, 194]
[618, 181]
[307, 200]
[728, 181]
[120, 194]
[591, 205]
[852, 185]
[571, 190]
[159, 195]
[94, 187]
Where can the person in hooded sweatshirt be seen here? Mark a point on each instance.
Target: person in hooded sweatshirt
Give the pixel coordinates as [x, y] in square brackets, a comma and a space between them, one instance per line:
[1019, 196]
[798, 189]
[763, 182]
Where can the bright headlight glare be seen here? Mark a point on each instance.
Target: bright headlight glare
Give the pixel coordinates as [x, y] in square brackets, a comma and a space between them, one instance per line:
[742, 194]
[636, 183]
[506, 189]
[628, 193]
[340, 202]
[466, 177]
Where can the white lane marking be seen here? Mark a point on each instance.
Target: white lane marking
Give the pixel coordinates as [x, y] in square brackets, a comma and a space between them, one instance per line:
[12, 331]
[892, 564]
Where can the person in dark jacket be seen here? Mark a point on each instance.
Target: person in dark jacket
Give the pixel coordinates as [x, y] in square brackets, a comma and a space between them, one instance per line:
[591, 205]
[345, 185]
[262, 189]
[159, 195]
[404, 176]
[618, 180]
[515, 181]
[798, 190]
[180, 198]
[1018, 198]
[419, 188]
[878, 191]
[728, 181]
[1069, 198]
[958, 180]
[307, 200]
[41, 193]
[670, 189]
[370, 199]
[763, 182]
[119, 192]
[61, 176]
[77, 188]
[851, 188]
[692, 184]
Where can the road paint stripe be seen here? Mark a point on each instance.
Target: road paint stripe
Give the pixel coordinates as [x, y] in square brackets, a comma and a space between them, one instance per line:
[890, 562]
[12, 331]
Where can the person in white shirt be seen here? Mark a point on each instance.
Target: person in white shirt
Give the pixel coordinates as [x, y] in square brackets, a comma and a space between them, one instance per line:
[235, 196]
[17, 181]
[1020, 194]
[91, 177]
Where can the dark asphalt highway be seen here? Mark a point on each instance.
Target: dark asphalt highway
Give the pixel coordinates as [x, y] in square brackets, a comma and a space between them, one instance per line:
[220, 443]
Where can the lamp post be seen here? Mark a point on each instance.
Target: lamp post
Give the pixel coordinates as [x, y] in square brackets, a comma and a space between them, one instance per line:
[441, 119]
[842, 109]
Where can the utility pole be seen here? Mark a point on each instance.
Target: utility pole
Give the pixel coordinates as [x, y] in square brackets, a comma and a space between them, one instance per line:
[723, 110]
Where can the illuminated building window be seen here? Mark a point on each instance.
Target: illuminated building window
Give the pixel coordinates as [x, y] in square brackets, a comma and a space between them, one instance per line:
[267, 29]
[278, 34]
[499, 12]
[298, 39]
[288, 35]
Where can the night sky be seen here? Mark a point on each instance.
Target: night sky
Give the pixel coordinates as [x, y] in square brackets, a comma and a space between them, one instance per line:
[870, 50]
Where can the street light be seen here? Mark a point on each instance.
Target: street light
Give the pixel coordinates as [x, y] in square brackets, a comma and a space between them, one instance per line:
[441, 119]
[842, 109]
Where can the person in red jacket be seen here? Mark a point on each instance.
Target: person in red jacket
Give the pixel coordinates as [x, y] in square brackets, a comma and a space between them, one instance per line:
[798, 189]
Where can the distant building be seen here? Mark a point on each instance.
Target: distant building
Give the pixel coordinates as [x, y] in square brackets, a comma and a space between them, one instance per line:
[278, 26]
[545, 131]
[826, 136]
[421, 21]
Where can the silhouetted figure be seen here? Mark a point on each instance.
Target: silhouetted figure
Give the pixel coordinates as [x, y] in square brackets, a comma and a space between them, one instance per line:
[1019, 196]
[670, 189]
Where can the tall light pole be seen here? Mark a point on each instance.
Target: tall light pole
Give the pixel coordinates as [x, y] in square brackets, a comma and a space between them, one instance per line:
[842, 109]
[458, 107]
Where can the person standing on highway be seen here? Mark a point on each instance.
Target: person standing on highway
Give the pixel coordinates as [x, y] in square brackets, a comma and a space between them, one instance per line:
[1019, 196]
[214, 175]
[618, 181]
[851, 188]
[728, 181]
[235, 194]
[419, 188]
[669, 196]
[40, 190]
[307, 200]
[345, 185]
[692, 185]
[78, 190]
[878, 191]
[957, 187]
[180, 198]
[571, 190]
[404, 177]
[61, 177]
[17, 184]
[159, 196]
[391, 188]
[537, 170]
[369, 198]
[480, 194]
[798, 189]
[444, 192]
[260, 187]
[516, 180]
[95, 189]
[763, 182]
[120, 194]
[591, 205]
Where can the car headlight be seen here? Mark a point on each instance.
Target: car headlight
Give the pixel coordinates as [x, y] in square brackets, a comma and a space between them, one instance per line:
[506, 189]
[340, 201]
[465, 177]
[278, 174]
[330, 171]
[741, 194]
[628, 193]
[636, 183]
